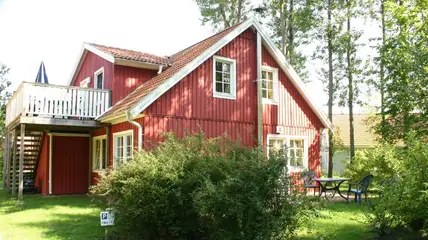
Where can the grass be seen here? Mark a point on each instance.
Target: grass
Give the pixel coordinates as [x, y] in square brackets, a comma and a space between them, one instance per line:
[40, 217]
[77, 217]
[338, 220]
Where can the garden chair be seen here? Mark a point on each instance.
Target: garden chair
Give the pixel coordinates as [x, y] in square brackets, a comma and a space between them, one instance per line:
[308, 181]
[360, 188]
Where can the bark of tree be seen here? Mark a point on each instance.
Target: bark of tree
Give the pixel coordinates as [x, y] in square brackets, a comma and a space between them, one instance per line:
[350, 83]
[290, 47]
[330, 87]
[382, 69]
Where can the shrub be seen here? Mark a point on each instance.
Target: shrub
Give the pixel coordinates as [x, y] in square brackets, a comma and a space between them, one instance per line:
[404, 203]
[381, 161]
[193, 188]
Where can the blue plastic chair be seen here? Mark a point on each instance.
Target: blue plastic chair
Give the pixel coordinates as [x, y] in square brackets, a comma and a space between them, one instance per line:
[360, 188]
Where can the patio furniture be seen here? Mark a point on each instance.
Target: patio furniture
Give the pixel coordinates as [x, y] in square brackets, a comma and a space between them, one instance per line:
[324, 182]
[360, 188]
[308, 181]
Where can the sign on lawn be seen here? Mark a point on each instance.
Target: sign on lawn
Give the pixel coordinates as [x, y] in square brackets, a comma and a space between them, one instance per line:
[107, 218]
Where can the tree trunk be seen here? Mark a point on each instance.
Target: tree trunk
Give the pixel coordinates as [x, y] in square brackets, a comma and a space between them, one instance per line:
[238, 16]
[290, 32]
[330, 88]
[350, 84]
[382, 70]
[283, 24]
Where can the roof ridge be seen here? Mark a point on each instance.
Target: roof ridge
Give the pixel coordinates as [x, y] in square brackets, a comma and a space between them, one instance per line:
[125, 49]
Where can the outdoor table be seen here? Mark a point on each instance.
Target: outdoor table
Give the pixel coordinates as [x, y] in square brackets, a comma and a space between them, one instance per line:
[323, 182]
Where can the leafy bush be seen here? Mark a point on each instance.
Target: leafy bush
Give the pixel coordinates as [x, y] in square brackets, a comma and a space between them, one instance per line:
[404, 203]
[381, 161]
[193, 188]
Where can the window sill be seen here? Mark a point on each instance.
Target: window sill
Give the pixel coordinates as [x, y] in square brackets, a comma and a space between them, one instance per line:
[269, 102]
[230, 97]
[98, 170]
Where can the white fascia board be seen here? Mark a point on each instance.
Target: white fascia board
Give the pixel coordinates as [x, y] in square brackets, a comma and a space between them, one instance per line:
[98, 52]
[168, 84]
[83, 51]
[292, 75]
[77, 65]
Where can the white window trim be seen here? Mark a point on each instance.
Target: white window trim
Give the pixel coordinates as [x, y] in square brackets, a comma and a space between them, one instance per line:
[96, 73]
[121, 134]
[85, 82]
[287, 138]
[273, 101]
[232, 94]
[94, 139]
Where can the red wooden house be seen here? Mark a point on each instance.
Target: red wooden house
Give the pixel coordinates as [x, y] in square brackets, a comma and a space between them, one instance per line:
[119, 101]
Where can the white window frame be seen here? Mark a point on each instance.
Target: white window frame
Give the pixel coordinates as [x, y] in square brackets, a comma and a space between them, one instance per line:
[232, 94]
[85, 82]
[96, 73]
[123, 134]
[94, 153]
[275, 85]
[287, 139]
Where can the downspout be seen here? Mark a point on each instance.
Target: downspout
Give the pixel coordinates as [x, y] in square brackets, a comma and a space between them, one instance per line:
[259, 92]
[160, 69]
[140, 130]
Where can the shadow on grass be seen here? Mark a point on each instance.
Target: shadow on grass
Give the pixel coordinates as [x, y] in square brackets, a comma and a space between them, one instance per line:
[69, 226]
[36, 201]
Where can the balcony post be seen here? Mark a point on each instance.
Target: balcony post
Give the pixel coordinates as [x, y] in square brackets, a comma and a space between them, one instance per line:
[21, 163]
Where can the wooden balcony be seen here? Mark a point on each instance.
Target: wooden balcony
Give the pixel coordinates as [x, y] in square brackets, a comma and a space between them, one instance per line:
[47, 104]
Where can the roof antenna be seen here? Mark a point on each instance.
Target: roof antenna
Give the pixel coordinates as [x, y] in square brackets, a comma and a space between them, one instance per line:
[259, 13]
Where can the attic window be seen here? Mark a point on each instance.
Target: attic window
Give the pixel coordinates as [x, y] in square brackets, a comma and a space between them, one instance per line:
[224, 78]
[99, 78]
[269, 85]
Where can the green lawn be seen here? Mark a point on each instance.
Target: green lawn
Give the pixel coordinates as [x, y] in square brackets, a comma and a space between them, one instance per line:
[66, 217]
[77, 217]
[339, 220]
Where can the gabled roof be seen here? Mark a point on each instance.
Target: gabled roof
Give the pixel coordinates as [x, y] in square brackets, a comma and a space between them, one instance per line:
[185, 61]
[126, 54]
[119, 56]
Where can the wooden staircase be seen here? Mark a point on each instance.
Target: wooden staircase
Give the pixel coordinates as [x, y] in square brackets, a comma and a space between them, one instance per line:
[32, 146]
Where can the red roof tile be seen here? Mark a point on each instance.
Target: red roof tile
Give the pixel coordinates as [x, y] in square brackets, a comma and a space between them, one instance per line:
[180, 60]
[132, 55]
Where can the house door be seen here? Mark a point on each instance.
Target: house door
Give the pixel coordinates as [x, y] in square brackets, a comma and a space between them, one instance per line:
[70, 164]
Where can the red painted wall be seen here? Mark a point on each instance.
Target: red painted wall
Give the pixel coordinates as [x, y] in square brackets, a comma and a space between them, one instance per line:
[70, 168]
[293, 113]
[190, 104]
[90, 65]
[126, 79]
[42, 174]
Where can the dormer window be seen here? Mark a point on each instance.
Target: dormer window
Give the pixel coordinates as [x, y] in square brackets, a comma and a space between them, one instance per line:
[99, 78]
[270, 85]
[224, 78]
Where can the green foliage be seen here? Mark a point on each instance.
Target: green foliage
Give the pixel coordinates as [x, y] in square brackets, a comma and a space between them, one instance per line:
[404, 203]
[405, 58]
[381, 161]
[222, 14]
[193, 188]
[4, 97]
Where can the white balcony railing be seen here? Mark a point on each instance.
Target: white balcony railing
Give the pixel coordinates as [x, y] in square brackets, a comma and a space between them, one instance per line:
[55, 101]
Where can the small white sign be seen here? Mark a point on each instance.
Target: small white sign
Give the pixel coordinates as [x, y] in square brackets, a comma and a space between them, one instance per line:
[280, 129]
[107, 218]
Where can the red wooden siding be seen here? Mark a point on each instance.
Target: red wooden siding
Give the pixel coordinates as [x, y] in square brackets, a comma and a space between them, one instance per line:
[42, 174]
[70, 167]
[126, 79]
[90, 65]
[190, 104]
[293, 113]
